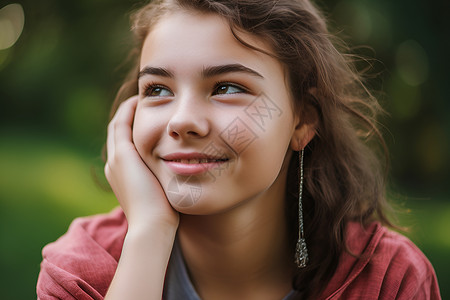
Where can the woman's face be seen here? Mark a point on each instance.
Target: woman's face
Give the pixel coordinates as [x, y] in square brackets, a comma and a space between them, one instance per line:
[214, 119]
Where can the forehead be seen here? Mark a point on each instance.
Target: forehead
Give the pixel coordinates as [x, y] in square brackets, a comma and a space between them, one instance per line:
[194, 36]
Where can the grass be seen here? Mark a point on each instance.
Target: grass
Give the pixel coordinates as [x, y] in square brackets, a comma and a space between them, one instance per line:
[45, 184]
[429, 228]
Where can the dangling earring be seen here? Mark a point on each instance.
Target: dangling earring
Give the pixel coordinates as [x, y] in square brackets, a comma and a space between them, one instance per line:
[301, 253]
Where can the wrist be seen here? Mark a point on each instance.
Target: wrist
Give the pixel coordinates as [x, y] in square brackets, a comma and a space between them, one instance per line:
[154, 229]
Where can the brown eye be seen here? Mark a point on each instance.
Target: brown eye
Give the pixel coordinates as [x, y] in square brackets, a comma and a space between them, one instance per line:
[157, 91]
[226, 88]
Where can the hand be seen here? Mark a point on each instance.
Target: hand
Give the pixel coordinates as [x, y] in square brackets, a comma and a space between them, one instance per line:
[137, 189]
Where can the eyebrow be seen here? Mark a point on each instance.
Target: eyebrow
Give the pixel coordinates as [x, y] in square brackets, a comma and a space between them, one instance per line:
[206, 72]
[229, 68]
[155, 71]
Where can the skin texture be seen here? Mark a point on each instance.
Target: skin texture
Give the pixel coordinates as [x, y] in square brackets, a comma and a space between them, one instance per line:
[191, 117]
[230, 217]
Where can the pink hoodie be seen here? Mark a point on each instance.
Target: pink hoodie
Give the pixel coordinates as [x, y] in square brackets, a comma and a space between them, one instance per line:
[82, 263]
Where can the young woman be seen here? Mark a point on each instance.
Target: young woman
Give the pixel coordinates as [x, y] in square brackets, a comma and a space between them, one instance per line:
[243, 154]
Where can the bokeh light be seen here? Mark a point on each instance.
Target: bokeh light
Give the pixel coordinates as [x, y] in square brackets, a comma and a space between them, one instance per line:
[12, 20]
[412, 63]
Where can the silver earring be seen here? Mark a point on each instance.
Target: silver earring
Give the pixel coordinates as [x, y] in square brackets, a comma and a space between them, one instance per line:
[301, 253]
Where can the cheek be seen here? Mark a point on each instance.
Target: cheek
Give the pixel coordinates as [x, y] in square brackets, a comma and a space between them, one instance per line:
[145, 132]
[268, 154]
[264, 156]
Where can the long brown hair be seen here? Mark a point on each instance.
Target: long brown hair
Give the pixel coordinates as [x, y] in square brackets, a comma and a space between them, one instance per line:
[344, 177]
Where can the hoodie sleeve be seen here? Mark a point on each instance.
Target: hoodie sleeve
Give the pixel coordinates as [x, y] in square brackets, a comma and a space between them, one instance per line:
[386, 266]
[408, 273]
[82, 263]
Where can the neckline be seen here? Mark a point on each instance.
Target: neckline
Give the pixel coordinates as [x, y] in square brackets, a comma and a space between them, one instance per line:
[178, 284]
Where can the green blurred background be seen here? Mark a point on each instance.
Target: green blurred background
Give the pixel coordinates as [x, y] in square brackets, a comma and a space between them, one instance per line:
[58, 80]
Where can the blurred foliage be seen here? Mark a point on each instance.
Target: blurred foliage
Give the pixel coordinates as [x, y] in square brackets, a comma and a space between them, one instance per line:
[58, 80]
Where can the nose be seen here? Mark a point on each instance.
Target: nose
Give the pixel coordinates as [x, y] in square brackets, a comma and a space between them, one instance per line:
[189, 120]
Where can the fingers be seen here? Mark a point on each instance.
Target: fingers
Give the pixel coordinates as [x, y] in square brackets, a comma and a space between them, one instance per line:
[121, 125]
[124, 121]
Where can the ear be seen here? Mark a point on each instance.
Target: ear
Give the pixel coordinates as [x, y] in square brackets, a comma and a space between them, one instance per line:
[306, 128]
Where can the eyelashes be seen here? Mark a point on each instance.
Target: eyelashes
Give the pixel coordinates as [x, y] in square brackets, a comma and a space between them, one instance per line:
[220, 88]
[156, 90]
[224, 88]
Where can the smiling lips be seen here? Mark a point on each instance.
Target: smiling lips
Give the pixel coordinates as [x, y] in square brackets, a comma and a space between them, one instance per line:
[197, 160]
[192, 163]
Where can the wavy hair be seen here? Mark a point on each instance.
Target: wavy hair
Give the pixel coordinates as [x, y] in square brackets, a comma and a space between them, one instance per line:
[344, 175]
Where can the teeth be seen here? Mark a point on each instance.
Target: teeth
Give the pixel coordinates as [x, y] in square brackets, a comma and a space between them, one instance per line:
[197, 160]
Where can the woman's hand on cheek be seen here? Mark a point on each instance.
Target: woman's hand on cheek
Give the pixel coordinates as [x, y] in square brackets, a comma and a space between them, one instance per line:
[138, 191]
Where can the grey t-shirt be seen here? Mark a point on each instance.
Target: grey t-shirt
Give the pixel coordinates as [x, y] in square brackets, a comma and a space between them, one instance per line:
[178, 284]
